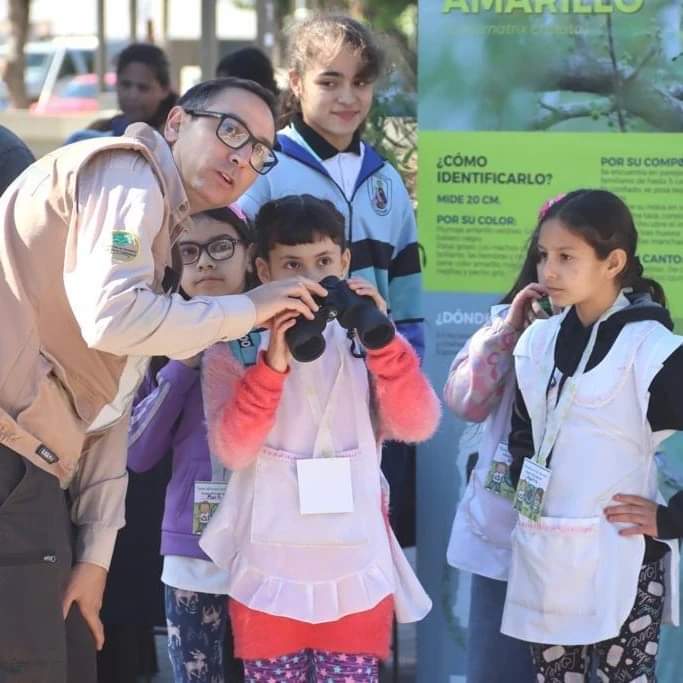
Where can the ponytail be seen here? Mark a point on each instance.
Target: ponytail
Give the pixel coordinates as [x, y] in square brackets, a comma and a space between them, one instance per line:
[289, 108]
[633, 277]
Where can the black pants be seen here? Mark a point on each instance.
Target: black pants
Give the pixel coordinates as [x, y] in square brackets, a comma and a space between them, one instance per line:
[36, 644]
[631, 656]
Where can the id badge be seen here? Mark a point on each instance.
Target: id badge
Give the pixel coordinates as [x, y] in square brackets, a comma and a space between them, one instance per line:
[533, 483]
[324, 485]
[207, 497]
[498, 479]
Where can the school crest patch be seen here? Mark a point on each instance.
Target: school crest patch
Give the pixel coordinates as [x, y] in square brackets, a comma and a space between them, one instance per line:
[379, 189]
[124, 246]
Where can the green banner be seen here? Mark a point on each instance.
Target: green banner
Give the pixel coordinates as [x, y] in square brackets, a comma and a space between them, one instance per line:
[479, 192]
[520, 100]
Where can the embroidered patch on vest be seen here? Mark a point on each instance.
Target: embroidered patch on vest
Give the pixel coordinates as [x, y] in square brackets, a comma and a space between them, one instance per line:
[124, 246]
[379, 189]
[46, 454]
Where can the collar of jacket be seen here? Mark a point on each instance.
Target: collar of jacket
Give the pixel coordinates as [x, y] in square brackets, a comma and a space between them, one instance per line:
[323, 149]
[290, 143]
[159, 147]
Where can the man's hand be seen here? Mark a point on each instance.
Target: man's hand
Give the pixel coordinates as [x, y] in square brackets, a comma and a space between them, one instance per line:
[86, 588]
[640, 512]
[295, 294]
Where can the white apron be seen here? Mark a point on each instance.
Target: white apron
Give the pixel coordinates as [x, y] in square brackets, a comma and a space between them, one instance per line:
[573, 580]
[480, 536]
[315, 567]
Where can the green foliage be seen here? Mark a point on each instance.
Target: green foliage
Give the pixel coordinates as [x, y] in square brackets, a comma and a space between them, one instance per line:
[552, 71]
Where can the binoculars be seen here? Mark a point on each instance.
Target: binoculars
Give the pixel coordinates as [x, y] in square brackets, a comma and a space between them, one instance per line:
[354, 312]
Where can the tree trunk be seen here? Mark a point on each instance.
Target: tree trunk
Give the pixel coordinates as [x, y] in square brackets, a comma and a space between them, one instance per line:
[13, 75]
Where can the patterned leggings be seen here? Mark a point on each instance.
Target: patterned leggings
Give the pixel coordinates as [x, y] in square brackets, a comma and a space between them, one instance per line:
[313, 666]
[199, 638]
[628, 658]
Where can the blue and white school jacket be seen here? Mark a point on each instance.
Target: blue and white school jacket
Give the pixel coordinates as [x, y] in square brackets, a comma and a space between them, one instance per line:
[381, 228]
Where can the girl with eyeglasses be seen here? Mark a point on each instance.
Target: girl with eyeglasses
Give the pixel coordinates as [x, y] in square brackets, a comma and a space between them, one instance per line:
[168, 421]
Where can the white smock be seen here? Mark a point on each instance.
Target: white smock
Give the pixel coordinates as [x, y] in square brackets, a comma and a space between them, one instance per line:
[573, 579]
[480, 540]
[314, 567]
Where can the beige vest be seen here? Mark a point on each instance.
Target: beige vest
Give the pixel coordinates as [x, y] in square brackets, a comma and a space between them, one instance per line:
[52, 385]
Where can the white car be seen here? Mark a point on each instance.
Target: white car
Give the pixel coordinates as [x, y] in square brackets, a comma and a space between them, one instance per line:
[48, 61]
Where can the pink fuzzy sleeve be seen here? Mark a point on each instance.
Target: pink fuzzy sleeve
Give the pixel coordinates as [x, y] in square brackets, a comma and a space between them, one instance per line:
[408, 407]
[477, 376]
[240, 405]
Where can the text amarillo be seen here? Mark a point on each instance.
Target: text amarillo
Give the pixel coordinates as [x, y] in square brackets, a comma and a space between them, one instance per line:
[541, 6]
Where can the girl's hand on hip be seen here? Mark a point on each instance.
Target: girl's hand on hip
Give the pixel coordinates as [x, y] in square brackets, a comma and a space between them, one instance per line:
[640, 512]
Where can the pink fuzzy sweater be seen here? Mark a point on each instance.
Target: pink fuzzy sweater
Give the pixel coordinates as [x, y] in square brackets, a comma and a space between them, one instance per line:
[240, 407]
[241, 404]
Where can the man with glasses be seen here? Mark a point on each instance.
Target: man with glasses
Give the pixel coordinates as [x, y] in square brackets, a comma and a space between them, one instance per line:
[87, 295]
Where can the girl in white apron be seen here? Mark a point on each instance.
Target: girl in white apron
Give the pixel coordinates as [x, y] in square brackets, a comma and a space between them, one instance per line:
[598, 389]
[315, 571]
[481, 388]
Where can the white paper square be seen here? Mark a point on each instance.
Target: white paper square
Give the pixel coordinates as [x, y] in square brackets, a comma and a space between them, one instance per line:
[324, 485]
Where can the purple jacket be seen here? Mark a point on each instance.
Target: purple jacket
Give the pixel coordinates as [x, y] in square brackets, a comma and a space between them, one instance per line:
[169, 418]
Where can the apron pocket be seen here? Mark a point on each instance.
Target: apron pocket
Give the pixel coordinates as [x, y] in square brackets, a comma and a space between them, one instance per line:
[276, 519]
[555, 564]
[491, 516]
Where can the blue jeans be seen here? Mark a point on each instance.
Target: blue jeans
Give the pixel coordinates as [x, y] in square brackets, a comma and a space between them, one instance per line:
[491, 656]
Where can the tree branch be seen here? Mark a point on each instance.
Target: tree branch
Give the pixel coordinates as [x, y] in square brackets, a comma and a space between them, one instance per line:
[640, 97]
[550, 115]
[676, 91]
[13, 75]
[617, 75]
[652, 52]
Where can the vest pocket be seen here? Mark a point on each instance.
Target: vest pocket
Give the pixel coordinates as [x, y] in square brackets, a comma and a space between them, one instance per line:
[276, 519]
[52, 417]
[554, 565]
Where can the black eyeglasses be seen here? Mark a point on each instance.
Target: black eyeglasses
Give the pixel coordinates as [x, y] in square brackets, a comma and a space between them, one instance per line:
[235, 134]
[219, 249]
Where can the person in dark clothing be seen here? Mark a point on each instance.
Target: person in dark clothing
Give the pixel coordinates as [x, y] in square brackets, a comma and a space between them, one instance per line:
[249, 63]
[15, 156]
[143, 89]
[598, 390]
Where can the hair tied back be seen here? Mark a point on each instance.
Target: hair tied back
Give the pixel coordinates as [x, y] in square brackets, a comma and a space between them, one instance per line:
[638, 267]
[548, 204]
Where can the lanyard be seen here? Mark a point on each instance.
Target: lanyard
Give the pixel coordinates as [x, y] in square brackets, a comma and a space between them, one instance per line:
[324, 443]
[559, 413]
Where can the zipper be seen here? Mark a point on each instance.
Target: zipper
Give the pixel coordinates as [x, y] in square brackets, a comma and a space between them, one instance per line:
[29, 557]
[349, 201]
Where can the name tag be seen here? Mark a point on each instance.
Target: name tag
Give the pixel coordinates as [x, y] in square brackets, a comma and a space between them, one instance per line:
[207, 497]
[324, 485]
[533, 483]
[498, 479]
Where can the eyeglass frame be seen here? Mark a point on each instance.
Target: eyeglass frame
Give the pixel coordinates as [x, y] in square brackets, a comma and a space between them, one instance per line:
[204, 247]
[252, 138]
